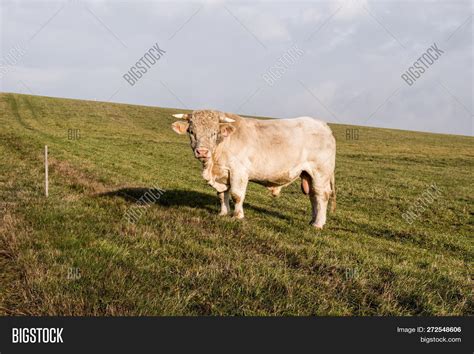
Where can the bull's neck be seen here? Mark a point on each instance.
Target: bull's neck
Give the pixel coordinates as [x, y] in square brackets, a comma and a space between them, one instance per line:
[216, 155]
[209, 164]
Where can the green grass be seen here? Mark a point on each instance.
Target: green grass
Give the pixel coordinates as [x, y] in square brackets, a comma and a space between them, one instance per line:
[183, 259]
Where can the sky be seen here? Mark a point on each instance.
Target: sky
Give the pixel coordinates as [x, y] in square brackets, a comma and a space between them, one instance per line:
[339, 61]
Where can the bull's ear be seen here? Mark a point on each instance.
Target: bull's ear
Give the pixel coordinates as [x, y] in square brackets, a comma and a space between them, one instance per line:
[180, 126]
[226, 129]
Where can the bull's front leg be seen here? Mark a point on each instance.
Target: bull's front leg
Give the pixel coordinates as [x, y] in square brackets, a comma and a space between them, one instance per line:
[224, 199]
[238, 188]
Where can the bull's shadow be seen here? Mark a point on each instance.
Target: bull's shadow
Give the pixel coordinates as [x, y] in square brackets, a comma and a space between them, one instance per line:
[167, 198]
[181, 197]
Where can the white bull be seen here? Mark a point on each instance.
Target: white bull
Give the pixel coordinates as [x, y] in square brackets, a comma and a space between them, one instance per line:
[270, 152]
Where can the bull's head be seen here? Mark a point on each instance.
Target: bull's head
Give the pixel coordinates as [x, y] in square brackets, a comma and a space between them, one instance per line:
[206, 129]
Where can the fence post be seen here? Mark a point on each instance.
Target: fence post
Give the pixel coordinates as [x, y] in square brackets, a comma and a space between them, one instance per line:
[46, 183]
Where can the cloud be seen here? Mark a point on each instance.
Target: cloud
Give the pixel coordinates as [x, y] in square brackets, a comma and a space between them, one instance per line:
[262, 23]
[347, 10]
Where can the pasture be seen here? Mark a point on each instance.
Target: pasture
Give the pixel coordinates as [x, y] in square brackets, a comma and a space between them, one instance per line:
[73, 253]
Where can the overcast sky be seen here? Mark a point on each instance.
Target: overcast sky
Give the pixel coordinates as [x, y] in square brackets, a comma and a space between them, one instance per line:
[348, 66]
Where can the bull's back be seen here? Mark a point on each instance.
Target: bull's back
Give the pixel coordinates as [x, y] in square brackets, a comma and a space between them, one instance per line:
[277, 148]
[291, 137]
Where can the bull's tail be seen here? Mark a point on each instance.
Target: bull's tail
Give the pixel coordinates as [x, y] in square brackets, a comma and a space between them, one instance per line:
[333, 193]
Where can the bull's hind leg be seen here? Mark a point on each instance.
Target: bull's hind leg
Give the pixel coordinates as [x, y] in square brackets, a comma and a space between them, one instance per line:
[224, 199]
[319, 193]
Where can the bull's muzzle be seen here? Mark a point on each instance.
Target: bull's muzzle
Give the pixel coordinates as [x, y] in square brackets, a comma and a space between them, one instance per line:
[202, 153]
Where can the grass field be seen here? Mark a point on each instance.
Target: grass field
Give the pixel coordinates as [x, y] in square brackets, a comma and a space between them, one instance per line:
[74, 254]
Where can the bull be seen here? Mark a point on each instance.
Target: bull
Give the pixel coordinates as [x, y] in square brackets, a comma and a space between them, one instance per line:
[271, 152]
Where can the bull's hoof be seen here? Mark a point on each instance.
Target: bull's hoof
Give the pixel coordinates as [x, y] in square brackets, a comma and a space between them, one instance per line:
[275, 191]
[223, 213]
[316, 226]
[238, 216]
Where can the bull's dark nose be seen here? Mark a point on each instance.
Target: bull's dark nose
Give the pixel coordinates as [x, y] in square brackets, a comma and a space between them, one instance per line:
[201, 152]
